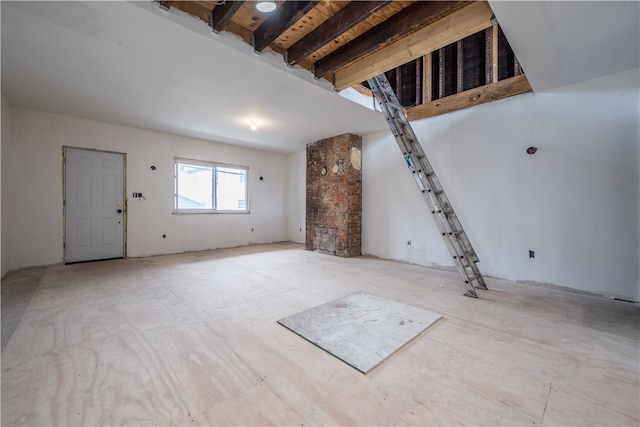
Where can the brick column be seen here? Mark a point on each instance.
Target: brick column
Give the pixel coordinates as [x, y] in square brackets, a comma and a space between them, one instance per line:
[334, 196]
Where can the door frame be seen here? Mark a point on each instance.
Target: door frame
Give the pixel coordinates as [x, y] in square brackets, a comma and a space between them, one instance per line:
[64, 197]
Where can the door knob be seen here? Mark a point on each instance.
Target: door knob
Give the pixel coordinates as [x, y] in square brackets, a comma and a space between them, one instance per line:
[119, 211]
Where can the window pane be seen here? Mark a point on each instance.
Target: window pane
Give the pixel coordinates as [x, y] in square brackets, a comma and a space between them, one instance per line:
[195, 185]
[231, 189]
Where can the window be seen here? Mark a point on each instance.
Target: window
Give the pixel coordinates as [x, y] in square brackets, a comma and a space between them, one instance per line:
[205, 187]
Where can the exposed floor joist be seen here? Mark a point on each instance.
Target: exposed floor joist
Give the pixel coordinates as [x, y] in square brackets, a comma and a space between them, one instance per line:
[474, 17]
[347, 42]
[338, 24]
[387, 32]
[221, 16]
[278, 23]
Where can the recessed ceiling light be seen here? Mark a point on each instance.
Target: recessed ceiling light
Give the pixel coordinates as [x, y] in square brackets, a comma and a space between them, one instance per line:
[266, 6]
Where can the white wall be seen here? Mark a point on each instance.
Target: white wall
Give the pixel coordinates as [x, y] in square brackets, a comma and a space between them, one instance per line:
[36, 162]
[297, 192]
[7, 187]
[575, 202]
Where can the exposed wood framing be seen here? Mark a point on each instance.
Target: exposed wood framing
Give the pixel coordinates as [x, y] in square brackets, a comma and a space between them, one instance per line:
[459, 67]
[418, 81]
[342, 21]
[201, 10]
[494, 53]
[288, 13]
[441, 73]
[468, 20]
[469, 98]
[426, 78]
[409, 19]
[348, 36]
[363, 90]
[222, 14]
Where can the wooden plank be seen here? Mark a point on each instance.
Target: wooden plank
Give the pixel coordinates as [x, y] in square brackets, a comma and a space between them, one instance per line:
[474, 17]
[348, 36]
[441, 72]
[222, 14]
[492, 92]
[200, 10]
[412, 18]
[339, 23]
[488, 55]
[308, 23]
[247, 18]
[363, 90]
[287, 14]
[426, 78]
[494, 53]
[459, 67]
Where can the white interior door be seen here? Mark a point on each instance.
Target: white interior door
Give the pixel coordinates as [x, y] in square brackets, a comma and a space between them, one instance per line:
[94, 205]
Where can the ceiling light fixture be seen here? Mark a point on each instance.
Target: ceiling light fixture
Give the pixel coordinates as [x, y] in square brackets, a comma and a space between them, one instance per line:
[254, 125]
[266, 5]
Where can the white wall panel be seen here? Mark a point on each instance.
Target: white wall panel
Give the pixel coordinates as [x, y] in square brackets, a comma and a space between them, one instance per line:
[575, 202]
[7, 189]
[37, 165]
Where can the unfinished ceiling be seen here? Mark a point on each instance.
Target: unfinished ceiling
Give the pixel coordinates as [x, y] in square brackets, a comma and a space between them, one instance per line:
[134, 64]
[140, 65]
[345, 42]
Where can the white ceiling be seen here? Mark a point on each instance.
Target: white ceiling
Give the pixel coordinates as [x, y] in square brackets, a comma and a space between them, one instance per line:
[135, 64]
[564, 42]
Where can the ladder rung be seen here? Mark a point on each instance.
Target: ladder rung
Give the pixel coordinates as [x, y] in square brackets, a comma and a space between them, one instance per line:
[459, 246]
[472, 278]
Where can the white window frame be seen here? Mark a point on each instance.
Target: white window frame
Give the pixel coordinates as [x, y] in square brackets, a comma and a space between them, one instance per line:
[214, 165]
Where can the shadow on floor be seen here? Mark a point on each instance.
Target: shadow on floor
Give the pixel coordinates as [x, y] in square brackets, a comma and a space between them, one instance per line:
[17, 289]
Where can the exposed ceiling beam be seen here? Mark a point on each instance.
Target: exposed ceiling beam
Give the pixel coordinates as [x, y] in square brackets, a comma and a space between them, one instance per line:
[201, 10]
[474, 17]
[341, 22]
[491, 92]
[285, 16]
[166, 5]
[410, 19]
[222, 14]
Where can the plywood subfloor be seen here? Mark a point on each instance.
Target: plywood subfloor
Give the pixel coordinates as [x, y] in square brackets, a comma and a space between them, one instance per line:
[360, 329]
[192, 339]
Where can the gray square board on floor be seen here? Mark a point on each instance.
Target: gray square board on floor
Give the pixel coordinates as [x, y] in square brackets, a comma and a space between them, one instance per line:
[360, 329]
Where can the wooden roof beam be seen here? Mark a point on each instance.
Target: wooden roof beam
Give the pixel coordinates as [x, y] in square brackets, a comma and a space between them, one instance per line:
[285, 16]
[468, 20]
[222, 14]
[469, 98]
[165, 5]
[346, 18]
[409, 19]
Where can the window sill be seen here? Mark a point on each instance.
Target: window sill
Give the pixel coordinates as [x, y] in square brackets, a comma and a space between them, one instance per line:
[206, 211]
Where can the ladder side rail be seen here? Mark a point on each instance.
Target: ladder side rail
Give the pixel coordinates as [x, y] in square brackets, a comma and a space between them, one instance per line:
[446, 221]
[459, 240]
